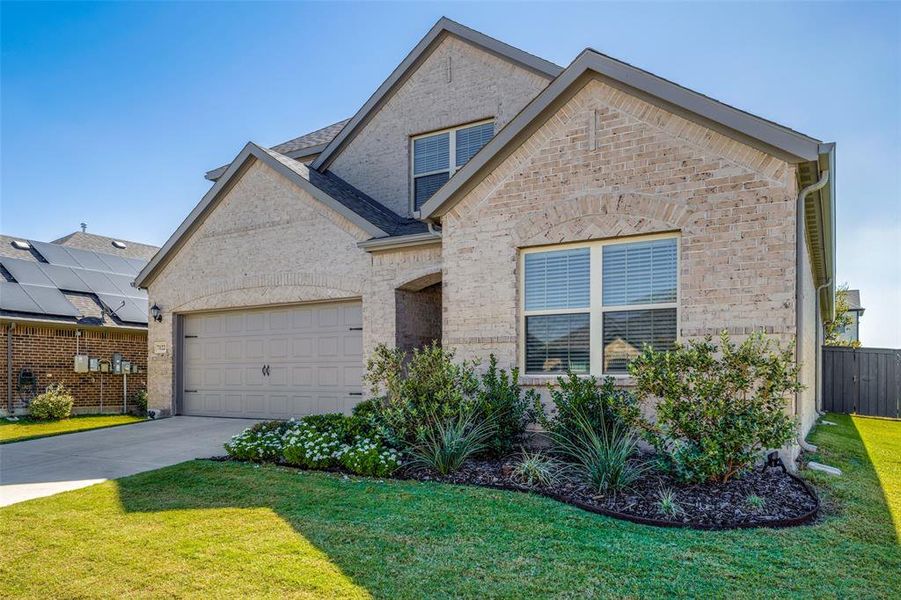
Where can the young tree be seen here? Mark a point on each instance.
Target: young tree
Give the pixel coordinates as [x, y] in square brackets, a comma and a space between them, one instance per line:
[833, 329]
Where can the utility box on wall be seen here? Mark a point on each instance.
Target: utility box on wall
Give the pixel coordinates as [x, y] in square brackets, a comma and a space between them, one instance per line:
[81, 363]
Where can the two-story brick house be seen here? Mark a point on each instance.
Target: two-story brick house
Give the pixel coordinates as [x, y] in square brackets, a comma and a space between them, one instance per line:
[556, 217]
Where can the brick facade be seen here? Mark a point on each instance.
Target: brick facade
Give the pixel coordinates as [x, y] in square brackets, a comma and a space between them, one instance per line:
[458, 83]
[48, 352]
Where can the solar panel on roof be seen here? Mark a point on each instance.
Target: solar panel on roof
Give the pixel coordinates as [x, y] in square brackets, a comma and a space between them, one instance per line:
[116, 264]
[136, 264]
[98, 282]
[88, 260]
[26, 271]
[51, 301]
[14, 298]
[65, 278]
[126, 309]
[54, 254]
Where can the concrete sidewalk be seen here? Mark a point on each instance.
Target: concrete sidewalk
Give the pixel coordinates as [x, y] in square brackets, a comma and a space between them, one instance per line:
[46, 466]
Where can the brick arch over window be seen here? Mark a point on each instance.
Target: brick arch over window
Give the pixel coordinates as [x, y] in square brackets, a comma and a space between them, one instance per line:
[277, 288]
[596, 216]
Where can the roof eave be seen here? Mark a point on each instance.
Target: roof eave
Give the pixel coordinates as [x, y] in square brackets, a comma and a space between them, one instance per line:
[400, 241]
[217, 173]
[770, 137]
[443, 27]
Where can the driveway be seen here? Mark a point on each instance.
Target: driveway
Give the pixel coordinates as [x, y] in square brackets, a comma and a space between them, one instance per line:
[42, 467]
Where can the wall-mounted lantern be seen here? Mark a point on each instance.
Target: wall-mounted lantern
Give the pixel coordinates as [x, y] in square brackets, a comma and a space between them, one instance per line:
[156, 313]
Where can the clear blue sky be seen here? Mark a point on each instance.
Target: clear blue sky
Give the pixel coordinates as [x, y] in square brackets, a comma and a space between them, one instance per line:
[111, 113]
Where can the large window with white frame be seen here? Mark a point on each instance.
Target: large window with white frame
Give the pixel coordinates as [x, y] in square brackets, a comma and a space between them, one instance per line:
[438, 155]
[591, 307]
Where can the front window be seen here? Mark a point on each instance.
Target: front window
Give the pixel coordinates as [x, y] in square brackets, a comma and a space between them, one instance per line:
[590, 308]
[437, 156]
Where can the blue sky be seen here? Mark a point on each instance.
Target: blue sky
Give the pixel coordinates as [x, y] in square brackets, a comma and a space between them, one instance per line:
[112, 112]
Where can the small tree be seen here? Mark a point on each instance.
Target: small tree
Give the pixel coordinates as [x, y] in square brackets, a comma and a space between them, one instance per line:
[718, 407]
[834, 328]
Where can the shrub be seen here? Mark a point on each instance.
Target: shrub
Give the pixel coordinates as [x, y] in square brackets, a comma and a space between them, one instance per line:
[501, 400]
[718, 407]
[755, 502]
[534, 468]
[601, 454]
[418, 388]
[263, 442]
[666, 503]
[307, 446]
[579, 399]
[369, 457]
[447, 443]
[139, 402]
[53, 405]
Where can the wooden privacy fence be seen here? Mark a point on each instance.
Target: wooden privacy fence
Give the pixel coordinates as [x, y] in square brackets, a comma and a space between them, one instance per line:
[865, 381]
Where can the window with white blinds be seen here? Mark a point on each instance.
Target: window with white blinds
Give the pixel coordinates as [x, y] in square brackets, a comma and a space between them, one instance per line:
[437, 156]
[592, 307]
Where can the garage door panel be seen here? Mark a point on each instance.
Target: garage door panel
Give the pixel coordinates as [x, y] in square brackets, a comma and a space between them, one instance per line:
[314, 358]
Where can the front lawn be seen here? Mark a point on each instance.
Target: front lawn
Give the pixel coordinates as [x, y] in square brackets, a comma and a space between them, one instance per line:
[207, 529]
[26, 429]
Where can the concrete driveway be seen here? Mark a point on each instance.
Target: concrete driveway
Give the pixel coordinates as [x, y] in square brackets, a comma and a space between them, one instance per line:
[42, 467]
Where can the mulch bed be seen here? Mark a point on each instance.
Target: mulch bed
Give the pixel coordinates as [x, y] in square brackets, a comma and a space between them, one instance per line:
[787, 500]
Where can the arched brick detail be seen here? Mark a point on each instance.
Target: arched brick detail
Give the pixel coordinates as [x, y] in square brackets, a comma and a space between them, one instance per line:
[414, 283]
[595, 216]
[255, 290]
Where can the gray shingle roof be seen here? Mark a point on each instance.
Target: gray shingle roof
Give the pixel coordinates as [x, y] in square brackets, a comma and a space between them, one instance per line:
[104, 244]
[308, 143]
[853, 297]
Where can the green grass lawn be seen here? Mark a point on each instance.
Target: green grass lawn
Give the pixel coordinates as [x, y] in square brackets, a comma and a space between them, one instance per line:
[24, 429]
[226, 530]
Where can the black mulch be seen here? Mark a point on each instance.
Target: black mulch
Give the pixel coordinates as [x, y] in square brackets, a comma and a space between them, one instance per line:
[786, 501]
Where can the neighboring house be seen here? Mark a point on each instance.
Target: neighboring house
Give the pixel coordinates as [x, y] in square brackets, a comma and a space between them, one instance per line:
[558, 218]
[67, 298]
[851, 332]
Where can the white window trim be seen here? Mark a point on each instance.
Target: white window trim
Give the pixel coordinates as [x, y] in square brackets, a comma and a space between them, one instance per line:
[595, 306]
[451, 155]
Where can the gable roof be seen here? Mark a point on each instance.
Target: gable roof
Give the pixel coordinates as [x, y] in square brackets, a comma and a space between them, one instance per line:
[306, 145]
[420, 52]
[337, 194]
[104, 244]
[771, 137]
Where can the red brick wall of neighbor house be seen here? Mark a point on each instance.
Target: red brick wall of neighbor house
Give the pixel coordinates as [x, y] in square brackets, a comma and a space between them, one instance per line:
[49, 353]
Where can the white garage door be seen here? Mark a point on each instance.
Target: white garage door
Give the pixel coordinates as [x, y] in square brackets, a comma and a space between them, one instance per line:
[273, 363]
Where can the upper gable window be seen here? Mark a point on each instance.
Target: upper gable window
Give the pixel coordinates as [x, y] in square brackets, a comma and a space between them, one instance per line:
[437, 156]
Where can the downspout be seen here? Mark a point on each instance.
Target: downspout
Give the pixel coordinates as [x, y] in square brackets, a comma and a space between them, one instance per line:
[9, 368]
[431, 225]
[799, 282]
[820, 341]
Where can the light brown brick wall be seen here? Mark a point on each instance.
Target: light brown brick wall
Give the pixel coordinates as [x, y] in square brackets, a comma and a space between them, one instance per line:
[652, 171]
[269, 242]
[48, 352]
[481, 86]
[418, 317]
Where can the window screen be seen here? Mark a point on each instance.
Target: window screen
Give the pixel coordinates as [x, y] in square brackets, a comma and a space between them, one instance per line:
[471, 140]
[626, 332]
[557, 279]
[639, 273]
[557, 343]
[431, 154]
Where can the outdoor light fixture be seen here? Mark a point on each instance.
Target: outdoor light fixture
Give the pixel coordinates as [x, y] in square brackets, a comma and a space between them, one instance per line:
[156, 313]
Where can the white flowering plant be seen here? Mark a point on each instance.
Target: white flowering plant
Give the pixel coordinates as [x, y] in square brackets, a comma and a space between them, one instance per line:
[369, 457]
[309, 447]
[263, 442]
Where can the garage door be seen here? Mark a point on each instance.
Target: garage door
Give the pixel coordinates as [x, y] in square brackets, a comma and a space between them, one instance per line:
[273, 363]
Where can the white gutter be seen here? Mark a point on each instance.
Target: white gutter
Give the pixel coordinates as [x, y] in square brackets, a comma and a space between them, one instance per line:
[799, 281]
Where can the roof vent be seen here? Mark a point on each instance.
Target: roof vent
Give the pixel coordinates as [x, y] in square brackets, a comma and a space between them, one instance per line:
[119, 245]
[21, 245]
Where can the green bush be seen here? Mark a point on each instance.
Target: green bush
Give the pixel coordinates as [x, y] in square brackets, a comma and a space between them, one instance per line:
[447, 443]
[416, 389]
[534, 468]
[369, 457]
[718, 407]
[501, 400]
[601, 454]
[577, 399]
[139, 402]
[53, 405]
[262, 442]
[310, 447]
